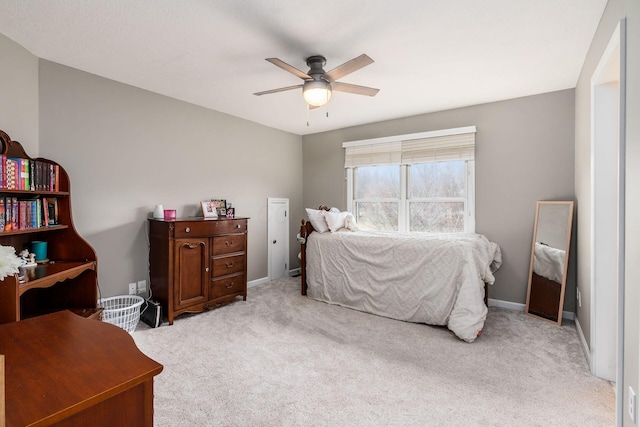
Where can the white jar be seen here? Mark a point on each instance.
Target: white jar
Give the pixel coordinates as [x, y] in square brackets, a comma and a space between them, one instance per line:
[158, 212]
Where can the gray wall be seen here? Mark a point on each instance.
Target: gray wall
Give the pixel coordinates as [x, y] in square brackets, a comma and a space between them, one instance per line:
[19, 94]
[615, 10]
[127, 149]
[524, 153]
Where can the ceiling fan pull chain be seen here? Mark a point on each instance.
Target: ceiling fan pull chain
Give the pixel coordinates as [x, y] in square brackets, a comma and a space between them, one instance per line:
[308, 108]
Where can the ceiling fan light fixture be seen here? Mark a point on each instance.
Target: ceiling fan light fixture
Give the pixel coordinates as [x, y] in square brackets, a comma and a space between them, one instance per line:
[317, 92]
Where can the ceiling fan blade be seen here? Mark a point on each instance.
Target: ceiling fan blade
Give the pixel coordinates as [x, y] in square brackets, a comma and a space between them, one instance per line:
[282, 89]
[358, 90]
[349, 67]
[293, 70]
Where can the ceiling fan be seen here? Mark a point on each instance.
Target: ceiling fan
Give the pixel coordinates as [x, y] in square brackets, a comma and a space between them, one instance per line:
[318, 84]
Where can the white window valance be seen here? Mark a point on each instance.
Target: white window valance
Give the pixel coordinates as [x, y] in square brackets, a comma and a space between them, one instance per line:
[442, 145]
[385, 153]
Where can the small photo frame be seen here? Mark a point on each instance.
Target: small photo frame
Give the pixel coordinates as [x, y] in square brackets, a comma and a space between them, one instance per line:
[231, 212]
[209, 209]
[220, 205]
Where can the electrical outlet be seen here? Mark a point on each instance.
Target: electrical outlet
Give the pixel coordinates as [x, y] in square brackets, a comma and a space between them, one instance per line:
[132, 288]
[142, 286]
[632, 405]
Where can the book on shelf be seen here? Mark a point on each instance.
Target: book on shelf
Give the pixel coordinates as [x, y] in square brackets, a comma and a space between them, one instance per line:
[2, 215]
[28, 174]
[52, 204]
[45, 213]
[19, 214]
[32, 175]
[10, 174]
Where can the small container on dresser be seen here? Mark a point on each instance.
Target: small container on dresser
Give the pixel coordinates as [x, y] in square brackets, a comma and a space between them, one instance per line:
[197, 263]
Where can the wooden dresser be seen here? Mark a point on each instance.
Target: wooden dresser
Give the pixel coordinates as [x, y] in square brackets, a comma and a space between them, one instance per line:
[65, 370]
[197, 263]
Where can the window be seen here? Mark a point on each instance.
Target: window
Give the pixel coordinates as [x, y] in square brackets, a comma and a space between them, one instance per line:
[377, 197]
[413, 183]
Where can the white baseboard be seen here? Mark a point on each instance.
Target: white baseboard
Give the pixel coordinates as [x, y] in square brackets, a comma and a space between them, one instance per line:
[257, 282]
[515, 306]
[585, 346]
[262, 280]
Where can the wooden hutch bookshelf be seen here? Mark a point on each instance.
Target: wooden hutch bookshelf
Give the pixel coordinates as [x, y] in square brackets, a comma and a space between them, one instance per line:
[69, 279]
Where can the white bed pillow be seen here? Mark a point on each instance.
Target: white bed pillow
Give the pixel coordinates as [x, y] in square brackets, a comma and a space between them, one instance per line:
[317, 220]
[338, 220]
[350, 223]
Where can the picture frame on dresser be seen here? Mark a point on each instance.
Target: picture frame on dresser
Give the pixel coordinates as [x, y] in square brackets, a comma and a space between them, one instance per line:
[209, 209]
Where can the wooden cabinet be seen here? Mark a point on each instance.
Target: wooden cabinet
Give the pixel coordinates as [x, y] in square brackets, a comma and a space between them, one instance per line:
[69, 279]
[197, 263]
[64, 370]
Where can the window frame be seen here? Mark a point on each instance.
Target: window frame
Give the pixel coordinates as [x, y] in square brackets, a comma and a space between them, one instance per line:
[405, 201]
[457, 144]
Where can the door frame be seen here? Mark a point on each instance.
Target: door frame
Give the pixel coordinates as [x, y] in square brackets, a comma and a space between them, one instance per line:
[605, 128]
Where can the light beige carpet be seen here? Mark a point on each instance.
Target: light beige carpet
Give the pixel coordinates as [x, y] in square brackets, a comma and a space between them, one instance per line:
[281, 359]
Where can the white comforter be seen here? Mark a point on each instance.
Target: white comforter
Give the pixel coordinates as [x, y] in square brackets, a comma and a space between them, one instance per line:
[434, 279]
[548, 262]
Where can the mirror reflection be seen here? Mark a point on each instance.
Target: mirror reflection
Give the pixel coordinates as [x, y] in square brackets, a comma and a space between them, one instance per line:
[549, 256]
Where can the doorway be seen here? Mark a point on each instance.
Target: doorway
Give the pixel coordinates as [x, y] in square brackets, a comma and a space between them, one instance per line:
[278, 238]
[607, 212]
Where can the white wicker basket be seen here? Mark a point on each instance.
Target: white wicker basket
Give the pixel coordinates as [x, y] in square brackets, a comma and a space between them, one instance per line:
[122, 311]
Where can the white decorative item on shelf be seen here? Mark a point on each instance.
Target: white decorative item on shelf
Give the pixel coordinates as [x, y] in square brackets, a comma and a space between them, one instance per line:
[9, 261]
[158, 212]
[122, 311]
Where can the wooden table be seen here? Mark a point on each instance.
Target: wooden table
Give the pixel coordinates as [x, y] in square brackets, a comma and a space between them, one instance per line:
[64, 370]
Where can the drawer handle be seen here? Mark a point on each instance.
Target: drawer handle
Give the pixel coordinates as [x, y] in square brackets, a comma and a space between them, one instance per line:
[187, 230]
[238, 226]
[192, 245]
[229, 264]
[206, 269]
[228, 243]
[230, 285]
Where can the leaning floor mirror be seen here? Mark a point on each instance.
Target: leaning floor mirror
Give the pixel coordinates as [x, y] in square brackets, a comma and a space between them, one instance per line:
[549, 260]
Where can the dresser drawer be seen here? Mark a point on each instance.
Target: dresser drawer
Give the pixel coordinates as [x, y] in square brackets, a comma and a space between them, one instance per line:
[209, 227]
[227, 286]
[229, 243]
[231, 226]
[228, 265]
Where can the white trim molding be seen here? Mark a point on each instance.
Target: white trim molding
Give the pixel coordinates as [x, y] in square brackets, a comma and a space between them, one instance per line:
[516, 306]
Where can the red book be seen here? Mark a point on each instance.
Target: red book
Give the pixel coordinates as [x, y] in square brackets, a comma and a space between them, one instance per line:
[45, 213]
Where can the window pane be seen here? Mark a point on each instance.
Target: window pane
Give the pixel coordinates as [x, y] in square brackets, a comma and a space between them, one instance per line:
[437, 179]
[436, 217]
[381, 216]
[377, 182]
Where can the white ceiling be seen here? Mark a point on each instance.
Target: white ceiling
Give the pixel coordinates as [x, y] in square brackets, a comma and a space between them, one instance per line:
[430, 55]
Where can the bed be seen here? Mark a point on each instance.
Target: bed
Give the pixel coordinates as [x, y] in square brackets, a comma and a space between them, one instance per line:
[437, 279]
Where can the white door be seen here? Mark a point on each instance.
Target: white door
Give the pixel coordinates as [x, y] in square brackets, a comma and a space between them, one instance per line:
[278, 237]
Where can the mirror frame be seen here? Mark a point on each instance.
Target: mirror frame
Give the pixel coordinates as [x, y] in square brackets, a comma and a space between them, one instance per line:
[566, 259]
